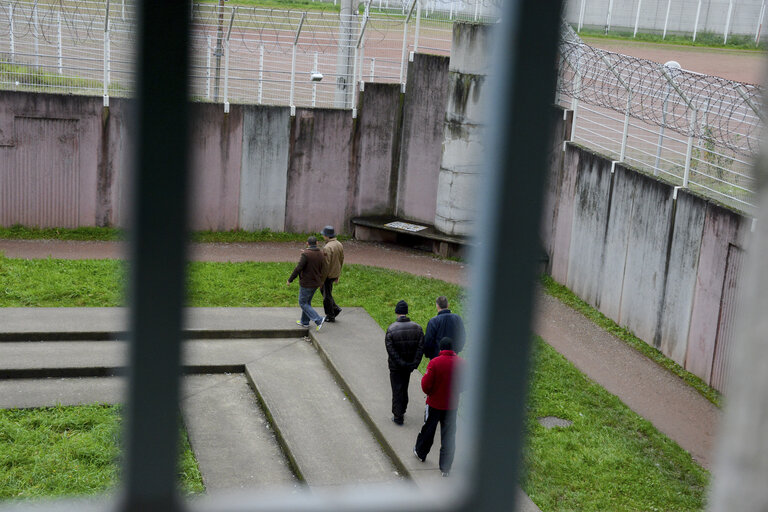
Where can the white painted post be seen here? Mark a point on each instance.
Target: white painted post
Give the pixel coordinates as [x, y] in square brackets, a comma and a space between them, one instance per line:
[625, 135]
[759, 24]
[727, 22]
[293, 79]
[637, 17]
[35, 29]
[450, 13]
[123, 10]
[661, 133]
[314, 84]
[689, 150]
[61, 56]
[581, 14]
[226, 76]
[696, 23]
[477, 9]
[106, 57]
[208, 70]
[418, 25]
[575, 101]
[353, 98]
[608, 17]
[373, 68]
[11, 44]
[261, 72]
[402, 56]
[666, 19]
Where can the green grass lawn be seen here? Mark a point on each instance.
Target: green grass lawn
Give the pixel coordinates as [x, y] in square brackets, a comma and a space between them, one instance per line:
[70, 451]
[610, 459]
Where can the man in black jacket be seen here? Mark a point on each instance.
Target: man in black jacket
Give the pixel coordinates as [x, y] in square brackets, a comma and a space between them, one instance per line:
[443, 325]
[405, 344]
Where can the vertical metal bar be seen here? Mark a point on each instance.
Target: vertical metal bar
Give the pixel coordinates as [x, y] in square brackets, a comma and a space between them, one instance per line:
[760, 23]
[518, 140]
[666, 19]
[314, 84]
[261, 72]
[373, 68]
[226, 76]
[402, 56]
[450, 13]
[208, 70]
[689, 149]
[157, 257]
[656, 165]
[353, 98]
[293, 79]
[696, 22]
[123, 10]
[575, 101]
[581, 14]
[608, 17]
[59, 48]
[11, 45]
[477, 9]
[625, 134]
[418, 25]
[637, 17]
[727, 22]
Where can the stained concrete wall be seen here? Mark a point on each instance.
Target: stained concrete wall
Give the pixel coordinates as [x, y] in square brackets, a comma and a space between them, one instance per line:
[422, 138]
[264, 167]
[652, 263]
[320, 177]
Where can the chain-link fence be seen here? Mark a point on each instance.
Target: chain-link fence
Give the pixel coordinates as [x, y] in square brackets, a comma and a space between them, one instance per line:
[695, 130]
[717, 20]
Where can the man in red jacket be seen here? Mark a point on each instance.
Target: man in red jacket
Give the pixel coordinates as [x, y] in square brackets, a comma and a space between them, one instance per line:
[442, 402]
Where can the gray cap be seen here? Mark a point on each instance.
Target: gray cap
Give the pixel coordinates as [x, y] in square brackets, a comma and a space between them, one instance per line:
[328, 231]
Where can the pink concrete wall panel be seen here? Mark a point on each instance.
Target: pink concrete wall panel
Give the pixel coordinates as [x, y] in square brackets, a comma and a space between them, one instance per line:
[646, 255]
[115, 157]
[562, 214]
[319, 171]
[552, 185]
[681, 275]
[216, 142]
[378, 125]
[49, 163]
[721, 228]
[422, 137]
[590, 216]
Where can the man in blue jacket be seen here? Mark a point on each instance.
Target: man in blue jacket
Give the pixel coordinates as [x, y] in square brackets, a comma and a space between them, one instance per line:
[444, 325]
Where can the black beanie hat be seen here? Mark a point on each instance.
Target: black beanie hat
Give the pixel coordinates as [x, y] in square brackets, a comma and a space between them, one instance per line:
[401, 308]
[446, 343]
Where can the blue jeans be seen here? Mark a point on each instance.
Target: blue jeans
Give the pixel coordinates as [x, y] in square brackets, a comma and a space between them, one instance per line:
[305, 303]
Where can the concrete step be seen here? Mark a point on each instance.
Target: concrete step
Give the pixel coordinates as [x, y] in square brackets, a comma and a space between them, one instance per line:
[328, 442]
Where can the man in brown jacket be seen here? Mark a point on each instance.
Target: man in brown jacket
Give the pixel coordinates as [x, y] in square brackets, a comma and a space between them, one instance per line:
[310, 269]
[334, 260]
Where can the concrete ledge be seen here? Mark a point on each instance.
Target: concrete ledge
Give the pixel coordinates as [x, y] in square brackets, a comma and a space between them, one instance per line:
[376, 229]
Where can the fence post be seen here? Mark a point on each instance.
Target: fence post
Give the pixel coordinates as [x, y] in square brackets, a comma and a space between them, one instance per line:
[661, 132]
[106, 57]
[625, 135]
[293, 63]
[314, 84]
[477, 9]
[581, 14]
[689, 150]
[637, 16]
[696, 22]
[261, 72]
[208, 70]
[759, 24]
[11, 45]
[575, 99]
[608, 17]
[373, 68]
[226, 61]
[666, 19]
[36, 35]
[405, 46]
[61, 56]
[450, 13]
[418, 25]
[727, 22]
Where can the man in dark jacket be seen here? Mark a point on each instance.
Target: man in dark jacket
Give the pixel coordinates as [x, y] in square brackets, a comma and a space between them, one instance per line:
[405, 344]
[439, 383]
[444, 325]
[310, 269]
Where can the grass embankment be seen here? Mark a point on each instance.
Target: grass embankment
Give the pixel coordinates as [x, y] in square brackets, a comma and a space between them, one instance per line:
[610, 459]
[111, 234]
[570, 299]
[703, 39]
[70, 451]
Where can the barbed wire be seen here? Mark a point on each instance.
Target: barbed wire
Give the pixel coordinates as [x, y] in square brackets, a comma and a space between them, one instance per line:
[693, 104]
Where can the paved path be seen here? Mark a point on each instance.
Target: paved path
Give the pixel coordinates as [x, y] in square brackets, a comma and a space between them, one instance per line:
[663, 399]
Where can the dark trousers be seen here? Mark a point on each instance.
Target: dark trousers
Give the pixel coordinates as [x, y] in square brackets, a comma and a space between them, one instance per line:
[447, 421]
[399, 380]
[329, 305]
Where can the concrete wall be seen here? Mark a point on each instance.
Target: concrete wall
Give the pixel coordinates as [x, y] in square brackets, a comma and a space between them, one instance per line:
[422, 138]
[655, 264]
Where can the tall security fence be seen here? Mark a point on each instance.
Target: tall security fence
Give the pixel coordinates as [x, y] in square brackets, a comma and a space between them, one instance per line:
[694, 130]
[693, 18]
